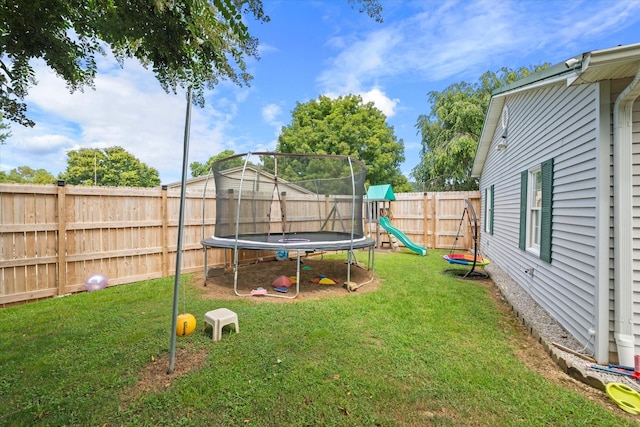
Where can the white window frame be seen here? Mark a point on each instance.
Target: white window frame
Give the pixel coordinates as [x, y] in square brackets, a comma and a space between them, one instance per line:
[534, 209]
[488, 214]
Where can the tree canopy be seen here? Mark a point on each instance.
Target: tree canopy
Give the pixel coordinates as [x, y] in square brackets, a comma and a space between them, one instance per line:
[350, 127]
[27, 175]
[112, 166]
[186, 43]
[199, 169]
[5, 133]
[450, 132]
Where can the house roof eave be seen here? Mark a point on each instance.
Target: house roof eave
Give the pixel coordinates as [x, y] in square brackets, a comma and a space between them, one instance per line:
[590, 67]
[609, 64]
[486, 136]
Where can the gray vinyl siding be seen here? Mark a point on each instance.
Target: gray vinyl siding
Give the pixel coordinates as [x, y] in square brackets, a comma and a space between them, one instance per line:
[560, 123]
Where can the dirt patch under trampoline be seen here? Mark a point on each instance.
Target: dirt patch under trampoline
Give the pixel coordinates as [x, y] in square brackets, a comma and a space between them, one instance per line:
[262, 274]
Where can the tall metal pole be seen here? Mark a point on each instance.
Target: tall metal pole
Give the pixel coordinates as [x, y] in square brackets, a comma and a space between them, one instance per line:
[176, 281]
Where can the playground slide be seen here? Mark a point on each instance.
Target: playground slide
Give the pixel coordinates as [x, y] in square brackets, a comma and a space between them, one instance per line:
[386, 224]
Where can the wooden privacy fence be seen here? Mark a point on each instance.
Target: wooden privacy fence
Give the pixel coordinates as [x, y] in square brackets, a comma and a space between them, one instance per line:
[53, 237]
[433, 220]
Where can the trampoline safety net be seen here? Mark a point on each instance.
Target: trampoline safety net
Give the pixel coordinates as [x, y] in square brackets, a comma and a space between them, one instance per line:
[265, 196]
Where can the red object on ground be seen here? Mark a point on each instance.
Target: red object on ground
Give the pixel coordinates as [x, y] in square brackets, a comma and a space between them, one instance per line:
[281, 281]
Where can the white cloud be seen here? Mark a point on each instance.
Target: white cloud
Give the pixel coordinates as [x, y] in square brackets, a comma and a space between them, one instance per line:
[270, 113]
[381, 101]
[465, 39]
[44, 144]
[359, 60]
[128, 108]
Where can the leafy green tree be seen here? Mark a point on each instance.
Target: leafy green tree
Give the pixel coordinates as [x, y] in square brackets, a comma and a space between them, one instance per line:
[4, 134]
[450, 133]
[199, 169]
[350, 127]
[27, 175]
[4, 130]
[186, 43]
[112, 166]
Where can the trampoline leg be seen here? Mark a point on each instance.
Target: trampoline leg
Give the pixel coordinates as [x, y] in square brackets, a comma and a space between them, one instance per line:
[355, 259]
[205, 265]
[369, 267]
[297, 281]
[349, 257]
[297, 274]
[235, 279]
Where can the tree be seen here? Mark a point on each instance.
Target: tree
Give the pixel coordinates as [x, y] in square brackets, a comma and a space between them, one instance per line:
[450, 133]
[185, 42]
[349, 127]
[4, 134]
[4, 131]
[199, 169]
[112, 166]
[27, 175]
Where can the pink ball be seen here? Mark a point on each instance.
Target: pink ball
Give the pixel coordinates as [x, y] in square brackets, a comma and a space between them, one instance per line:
[95, 282]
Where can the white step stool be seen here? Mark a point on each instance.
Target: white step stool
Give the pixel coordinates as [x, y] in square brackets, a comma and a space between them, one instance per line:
[218, 319]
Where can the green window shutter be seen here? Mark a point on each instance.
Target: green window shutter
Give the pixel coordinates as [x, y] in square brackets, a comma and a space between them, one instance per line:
[492, 211]
[522, 243]
[487, 209]
[547, 210]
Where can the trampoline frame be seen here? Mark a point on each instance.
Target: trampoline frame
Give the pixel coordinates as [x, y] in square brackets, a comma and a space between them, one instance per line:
[236, 241]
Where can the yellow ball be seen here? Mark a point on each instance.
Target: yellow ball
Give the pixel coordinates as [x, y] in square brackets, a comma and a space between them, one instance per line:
[186, 325]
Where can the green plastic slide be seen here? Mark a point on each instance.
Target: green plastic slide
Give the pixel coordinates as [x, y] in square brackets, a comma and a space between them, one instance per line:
[386, 224]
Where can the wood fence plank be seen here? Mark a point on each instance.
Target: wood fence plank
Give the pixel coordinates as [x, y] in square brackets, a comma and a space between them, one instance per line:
[62, 248]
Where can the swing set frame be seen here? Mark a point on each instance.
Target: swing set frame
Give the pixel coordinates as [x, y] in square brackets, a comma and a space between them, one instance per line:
[465, 259]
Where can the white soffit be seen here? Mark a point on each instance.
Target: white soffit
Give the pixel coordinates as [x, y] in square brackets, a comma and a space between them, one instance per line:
[609, 64]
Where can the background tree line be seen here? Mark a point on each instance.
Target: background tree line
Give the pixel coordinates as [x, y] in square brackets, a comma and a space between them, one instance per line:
[112, 166]
[451, 131]
[204, 43]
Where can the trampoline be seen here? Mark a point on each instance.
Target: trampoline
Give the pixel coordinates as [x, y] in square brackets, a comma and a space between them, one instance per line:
[279, 202]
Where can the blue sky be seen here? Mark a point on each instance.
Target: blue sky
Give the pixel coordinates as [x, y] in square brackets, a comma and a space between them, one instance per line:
[312, 48]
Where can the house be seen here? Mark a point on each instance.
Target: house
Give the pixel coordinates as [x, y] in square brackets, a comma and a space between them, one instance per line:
[195, 185]
[254, 178]
[559, 167]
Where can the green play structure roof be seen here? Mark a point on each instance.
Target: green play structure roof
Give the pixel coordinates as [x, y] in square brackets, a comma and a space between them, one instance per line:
[380, 192]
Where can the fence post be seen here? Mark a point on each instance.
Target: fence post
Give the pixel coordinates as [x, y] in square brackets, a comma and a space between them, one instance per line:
[164, 238]
[62, 237]
[425, 221]
[434, 221]
[283, 211]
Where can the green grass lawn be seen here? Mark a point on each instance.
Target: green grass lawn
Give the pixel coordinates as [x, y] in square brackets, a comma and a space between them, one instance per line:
[425, 349]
